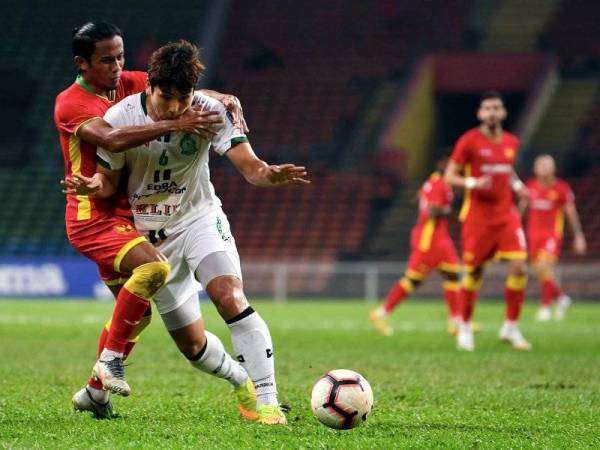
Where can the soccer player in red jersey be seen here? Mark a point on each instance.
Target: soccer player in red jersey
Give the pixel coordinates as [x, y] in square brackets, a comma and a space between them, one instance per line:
[102, 229]
[491, 226]
[431, 249]
[549, 200]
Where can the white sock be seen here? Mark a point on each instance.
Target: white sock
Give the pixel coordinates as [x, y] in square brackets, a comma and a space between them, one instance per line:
[99, 395]
[510, 324]
[109, 355]
[214, 360]
[381, 312]
[254, 350]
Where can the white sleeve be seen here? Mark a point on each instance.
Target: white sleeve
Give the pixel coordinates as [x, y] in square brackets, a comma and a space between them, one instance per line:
[115, 117]
[228, 135]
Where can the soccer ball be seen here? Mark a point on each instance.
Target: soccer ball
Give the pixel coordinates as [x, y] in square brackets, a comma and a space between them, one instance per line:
[341, 399]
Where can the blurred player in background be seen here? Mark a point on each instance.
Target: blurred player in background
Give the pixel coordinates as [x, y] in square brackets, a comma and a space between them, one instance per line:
[491, 226]
[549, 200]
[102, 229]
[431, 249]
[174, 204]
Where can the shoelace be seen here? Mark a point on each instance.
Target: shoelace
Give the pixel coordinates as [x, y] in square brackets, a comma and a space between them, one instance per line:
[116, 368]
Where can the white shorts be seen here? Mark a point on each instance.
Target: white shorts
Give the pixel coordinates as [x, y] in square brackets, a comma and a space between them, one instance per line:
[186, 250]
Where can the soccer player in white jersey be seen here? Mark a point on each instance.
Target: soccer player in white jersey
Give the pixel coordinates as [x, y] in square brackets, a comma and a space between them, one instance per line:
[174, 204]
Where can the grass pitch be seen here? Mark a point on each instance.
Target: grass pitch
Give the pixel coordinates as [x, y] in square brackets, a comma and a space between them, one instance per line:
[426, 393]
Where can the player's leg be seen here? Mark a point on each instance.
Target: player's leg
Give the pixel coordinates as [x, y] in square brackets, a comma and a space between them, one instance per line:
[205, 352]
[250, 336]
[448, 265]
[451, 287]
[514, 294]
[212, 254]
[93, 397]
[149, 271]
[513, 248]
[416, 271]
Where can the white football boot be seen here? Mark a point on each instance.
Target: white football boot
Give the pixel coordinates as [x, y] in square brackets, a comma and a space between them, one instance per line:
[111, 372]
[562, 304]
[544, 314]
[464, 338]
[84, 401]
[510, 333]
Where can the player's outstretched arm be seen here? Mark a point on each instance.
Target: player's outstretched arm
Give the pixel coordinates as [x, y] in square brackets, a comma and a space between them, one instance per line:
[99, 132]
[579, 242]
[259, 173]
[453, 177]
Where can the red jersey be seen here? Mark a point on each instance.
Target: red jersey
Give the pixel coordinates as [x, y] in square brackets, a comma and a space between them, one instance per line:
[481, 156]
[434, 192]
[74, 106]
[545, 211]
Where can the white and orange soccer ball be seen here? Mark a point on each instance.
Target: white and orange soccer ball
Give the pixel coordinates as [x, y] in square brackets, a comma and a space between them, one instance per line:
[342, 399]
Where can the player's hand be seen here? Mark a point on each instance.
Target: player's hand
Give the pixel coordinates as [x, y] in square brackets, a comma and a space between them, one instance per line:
[579, 245]
[80, 185]
[234, 106]
[196, 121]
[484, 182]
[280, 175]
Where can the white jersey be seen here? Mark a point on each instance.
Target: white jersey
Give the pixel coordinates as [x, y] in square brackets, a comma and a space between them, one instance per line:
[169, 178]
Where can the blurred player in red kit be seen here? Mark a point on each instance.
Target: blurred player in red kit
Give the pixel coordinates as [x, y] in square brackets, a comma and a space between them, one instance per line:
[431, 249]
[482, 163]
[549, 200]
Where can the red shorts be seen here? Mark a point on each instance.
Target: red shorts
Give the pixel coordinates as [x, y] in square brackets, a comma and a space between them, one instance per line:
[440, 255]
[105, 240]
[482, 242]
[544, 246]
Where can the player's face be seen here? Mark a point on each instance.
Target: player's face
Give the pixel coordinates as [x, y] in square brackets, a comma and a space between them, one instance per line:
[491, 112]
[544, 166]
[106, 65]
[169, 103]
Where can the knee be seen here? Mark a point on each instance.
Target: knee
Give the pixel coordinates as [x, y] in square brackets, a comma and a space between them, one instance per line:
[450, 276]
[148, 278]
[226, 292]
[518, 269]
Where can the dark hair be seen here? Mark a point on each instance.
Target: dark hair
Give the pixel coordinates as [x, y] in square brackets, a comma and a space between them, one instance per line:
[175, 65]
[491, 95]
[85, 37]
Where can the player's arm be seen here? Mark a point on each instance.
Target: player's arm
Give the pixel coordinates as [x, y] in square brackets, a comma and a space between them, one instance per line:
[518, 186]
[579, 242]
[100, 133]
[259, 173]
[102, 184]
[453, 176]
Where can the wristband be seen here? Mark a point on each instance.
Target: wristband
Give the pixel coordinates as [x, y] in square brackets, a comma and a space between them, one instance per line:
[470, 182]
[517, 185]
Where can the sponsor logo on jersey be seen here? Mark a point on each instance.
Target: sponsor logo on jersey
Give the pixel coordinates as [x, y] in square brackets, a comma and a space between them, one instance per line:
[148, 209]
[542, 204]
[496, 168]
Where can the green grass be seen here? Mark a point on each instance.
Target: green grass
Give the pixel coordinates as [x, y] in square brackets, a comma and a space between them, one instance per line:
[426, 393]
